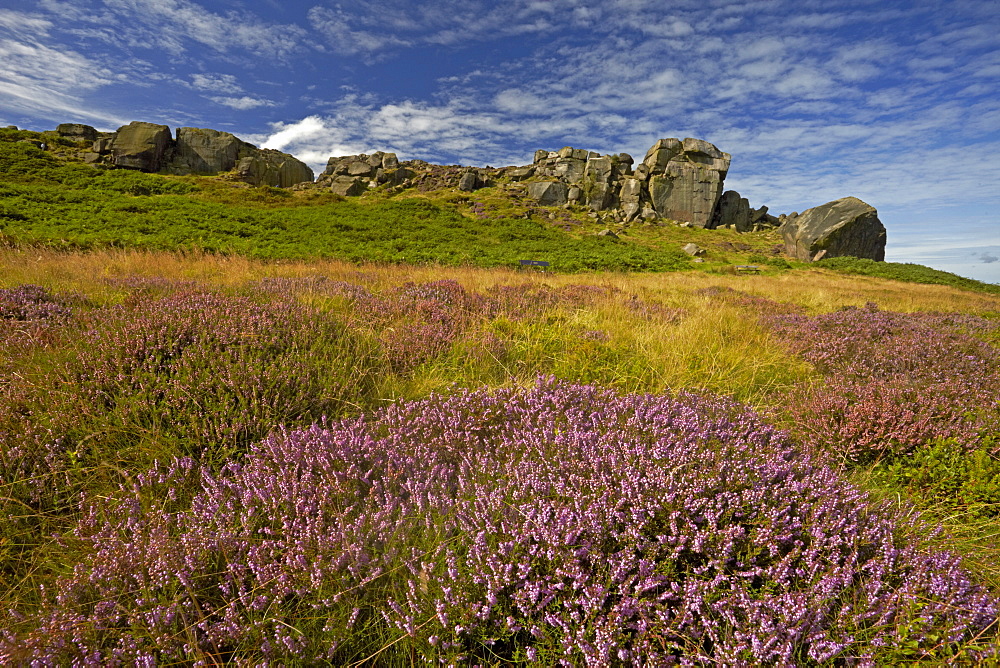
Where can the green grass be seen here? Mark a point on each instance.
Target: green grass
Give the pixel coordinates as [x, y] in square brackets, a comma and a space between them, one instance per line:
[904, 271]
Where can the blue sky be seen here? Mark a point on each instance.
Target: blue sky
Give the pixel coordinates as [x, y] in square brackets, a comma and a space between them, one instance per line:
[897, 103]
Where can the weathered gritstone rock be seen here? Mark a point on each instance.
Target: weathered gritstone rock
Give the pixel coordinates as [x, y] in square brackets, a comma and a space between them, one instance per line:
[149, 147]
[685, 179]
[272, 168]
[77, 132]
[548, 193]
[204, 151]
[844, 227]
[140, 145]
[677, 180]
[733, 211]
[381, 168]
[348, 186]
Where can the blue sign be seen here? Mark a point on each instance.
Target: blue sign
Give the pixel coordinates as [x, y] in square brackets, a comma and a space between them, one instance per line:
[534, 263]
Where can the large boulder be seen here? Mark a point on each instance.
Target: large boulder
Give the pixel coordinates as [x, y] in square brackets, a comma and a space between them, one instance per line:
[348, 186]
[844, 227]
[549, 193]
[77, 132]
[272, 168]
[140, 145]
[204, 151]
[685, 179]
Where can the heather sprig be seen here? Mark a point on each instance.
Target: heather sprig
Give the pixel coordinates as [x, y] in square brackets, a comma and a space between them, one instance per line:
[563, 524]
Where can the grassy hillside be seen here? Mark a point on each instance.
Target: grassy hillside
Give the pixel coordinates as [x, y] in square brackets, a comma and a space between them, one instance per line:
[220, 459]
[900, 271]
[49, 199]
[49, 202]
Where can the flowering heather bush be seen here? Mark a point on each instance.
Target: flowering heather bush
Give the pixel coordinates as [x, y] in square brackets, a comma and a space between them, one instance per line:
[420, 322]
[212, 369]
[560, 525]
[153, 284]
[30, 302]
[30, 315]
[895, 381]
[187, 373]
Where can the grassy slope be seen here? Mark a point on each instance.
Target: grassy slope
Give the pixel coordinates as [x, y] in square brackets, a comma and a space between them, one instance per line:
[51, 203]
[49, 199]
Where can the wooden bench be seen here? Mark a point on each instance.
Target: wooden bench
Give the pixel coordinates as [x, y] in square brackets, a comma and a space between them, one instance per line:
[534, 263]
[747, 269]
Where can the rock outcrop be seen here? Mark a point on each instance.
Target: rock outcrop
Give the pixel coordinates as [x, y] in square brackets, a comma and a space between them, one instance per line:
[149, 147]
[733, 211]
[677, 180]
[141, 146]
[685, 179]
[267, 167]
[203, 151]
[355, 174]
[77, 132]
[844, 227]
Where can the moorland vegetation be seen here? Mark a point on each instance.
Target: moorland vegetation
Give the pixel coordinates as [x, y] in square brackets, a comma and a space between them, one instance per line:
[281, 452]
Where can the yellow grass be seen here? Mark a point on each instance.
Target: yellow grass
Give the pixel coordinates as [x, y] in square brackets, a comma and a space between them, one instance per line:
[816, 289]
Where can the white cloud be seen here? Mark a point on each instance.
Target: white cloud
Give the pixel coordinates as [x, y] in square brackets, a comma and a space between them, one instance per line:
[175, 26]
[19, 22]
[375, 31]
[216, 83]
[242, 103]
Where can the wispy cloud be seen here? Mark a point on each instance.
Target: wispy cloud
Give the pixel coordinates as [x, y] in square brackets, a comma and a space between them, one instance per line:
[216, 83]
[179, 26]
[232, 92]
[39, 77]
[243, 103]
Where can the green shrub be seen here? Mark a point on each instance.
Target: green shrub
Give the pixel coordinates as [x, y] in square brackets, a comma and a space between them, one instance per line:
[946, 473]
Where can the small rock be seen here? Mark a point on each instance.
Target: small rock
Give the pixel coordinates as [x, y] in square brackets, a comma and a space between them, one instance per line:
[694, 250]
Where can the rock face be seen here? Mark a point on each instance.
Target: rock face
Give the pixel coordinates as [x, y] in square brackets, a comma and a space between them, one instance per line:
[733, 211]
[141, 146]
[77, 131]
[685, 179]
[203, 151]
[548, 193]
[151, 148]
[267, 167]
[844, 227]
